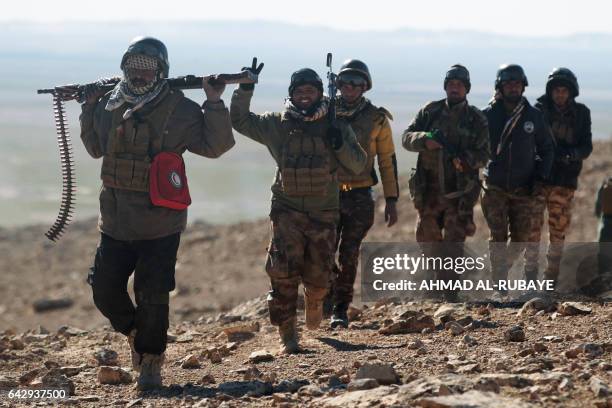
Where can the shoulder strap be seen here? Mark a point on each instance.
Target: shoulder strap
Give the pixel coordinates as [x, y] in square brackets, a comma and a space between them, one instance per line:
[165, 109]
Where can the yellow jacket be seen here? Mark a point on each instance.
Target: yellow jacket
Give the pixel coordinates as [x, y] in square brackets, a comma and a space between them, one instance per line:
[374, 134]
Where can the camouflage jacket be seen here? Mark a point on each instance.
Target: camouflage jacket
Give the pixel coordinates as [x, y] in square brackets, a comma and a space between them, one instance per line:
[272, 130]
[573, 140]
[465, 129]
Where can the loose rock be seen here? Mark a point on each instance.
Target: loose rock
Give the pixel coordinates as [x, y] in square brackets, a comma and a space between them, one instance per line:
[190, 362]
[599, 388]
[454, 327]
[515, 333]
[362, 384]
[260, 356]
[414, 324]
[573, 309]
[472, 399]
[383, 373]
[106, 357]
[113, 376]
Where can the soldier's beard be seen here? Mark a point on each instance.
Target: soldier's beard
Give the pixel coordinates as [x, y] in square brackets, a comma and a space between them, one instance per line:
[513, 99]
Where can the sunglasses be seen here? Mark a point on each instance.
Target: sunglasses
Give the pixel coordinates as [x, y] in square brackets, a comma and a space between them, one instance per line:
[351, 79]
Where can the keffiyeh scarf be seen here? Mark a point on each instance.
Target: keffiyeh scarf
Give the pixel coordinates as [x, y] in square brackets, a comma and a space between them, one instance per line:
[127, 91]
[315, 113]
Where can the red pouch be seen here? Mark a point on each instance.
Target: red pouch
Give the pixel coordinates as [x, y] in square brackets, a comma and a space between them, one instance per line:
[168, 182]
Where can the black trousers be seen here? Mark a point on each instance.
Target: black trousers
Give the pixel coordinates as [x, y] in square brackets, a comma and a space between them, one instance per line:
[153, 263]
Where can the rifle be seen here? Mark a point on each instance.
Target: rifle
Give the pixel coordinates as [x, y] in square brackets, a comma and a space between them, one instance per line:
[65, 93]
[453, 153]
[331, 89]
[74, 91]
[437, 136]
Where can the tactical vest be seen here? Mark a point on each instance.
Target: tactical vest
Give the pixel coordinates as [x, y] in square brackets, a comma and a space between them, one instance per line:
[606, 197]
[363, 124]
[132, 144]
[305, 165]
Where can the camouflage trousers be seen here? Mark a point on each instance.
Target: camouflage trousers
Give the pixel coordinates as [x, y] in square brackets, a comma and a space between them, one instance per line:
[356, 219]
[558, 201]
[509, 215]
[439, 221]
[301, 250]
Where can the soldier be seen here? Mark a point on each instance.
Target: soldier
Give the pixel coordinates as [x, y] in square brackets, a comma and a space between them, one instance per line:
[603, 210]
[128, 127]
[570, 123]
[452, 140]
[513, 176]
[371, 125]
[304, 214]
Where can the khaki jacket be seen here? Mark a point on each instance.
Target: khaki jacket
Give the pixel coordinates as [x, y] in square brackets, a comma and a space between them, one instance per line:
[128, 214]
[375, 136]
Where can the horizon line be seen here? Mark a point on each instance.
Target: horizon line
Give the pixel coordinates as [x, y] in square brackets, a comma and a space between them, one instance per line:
[304, 25]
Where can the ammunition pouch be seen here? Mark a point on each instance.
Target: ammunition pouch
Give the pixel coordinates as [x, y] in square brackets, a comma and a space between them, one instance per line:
[305, 165]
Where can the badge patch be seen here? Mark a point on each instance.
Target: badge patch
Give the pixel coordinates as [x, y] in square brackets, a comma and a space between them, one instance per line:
[528, 127]
[175, 179]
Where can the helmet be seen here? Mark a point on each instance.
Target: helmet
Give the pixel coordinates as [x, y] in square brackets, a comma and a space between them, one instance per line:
[565, 77]
[305, 76]
[355, 66]
[510, 72]
[153, 48]
[459, 72]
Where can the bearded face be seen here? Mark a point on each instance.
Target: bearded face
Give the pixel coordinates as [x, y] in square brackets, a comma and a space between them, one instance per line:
[141, 73]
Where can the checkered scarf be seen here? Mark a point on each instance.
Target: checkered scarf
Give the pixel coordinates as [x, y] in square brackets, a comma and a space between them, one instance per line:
[126, 91]
[510, 125]
[343, 110]
[314, 113]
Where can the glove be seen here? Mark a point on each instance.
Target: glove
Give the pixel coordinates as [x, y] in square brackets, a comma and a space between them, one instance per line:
[436, 134]
[92, 92]
[430, 142]
[563, 154]
[255, 70]
[334, 135]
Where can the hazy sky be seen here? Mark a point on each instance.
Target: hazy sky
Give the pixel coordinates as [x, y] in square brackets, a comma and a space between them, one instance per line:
[518, 17]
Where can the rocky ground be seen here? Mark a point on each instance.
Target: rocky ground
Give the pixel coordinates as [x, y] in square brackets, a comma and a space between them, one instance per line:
[417, 356]
[425, 354]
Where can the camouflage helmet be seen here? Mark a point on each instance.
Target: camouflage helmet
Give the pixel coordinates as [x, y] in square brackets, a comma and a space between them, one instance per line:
[565, 77]
[510, 72]
[459, 72]
[151, 47]
[305, 76]
[355, 66]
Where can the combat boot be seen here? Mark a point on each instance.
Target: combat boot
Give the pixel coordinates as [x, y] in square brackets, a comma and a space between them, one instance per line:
[136, 356]
[339, 317]
[313, 299]
[150, 372]
[289, 337]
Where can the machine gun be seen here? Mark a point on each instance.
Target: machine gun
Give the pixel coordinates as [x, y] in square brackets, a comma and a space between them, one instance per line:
[65, 93]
